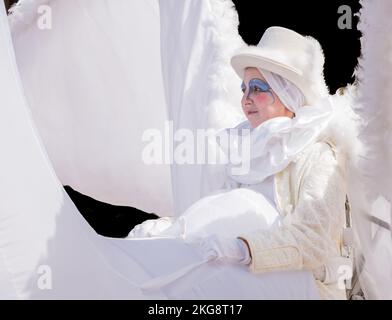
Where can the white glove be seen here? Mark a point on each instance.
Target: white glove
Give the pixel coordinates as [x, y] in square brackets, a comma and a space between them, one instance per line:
[217, 247]
[151, 228]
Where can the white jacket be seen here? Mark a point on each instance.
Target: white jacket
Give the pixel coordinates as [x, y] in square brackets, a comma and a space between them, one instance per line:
[310, 195]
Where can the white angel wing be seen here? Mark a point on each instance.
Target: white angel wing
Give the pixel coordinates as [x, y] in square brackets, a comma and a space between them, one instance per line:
[370, 182]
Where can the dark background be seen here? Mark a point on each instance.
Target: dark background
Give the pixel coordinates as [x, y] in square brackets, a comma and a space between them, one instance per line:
[318, 19]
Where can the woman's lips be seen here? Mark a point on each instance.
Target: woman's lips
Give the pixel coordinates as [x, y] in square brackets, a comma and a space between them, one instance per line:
[252, 113]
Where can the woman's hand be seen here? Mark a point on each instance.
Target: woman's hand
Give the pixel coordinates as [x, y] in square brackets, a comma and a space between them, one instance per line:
[216, 247]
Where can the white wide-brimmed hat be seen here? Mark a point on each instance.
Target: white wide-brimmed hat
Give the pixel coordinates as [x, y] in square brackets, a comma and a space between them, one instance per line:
[297, 58]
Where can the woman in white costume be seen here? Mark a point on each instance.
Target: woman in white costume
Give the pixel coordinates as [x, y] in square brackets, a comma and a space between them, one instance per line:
[294, 192]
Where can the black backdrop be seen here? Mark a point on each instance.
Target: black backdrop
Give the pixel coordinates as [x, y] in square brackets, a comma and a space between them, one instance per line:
[315, 18]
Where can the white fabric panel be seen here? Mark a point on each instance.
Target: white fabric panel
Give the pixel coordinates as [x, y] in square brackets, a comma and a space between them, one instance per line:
[94, 85]
[202, 91]
[40, 226]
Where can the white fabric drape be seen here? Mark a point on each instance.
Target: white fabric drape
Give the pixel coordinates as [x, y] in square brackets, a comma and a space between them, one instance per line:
[202, 90]
[108, 90]
[94, 85]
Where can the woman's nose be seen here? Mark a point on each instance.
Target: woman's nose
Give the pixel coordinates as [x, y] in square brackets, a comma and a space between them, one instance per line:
[246, 99]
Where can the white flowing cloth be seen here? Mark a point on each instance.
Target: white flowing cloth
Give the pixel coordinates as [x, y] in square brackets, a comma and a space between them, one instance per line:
[276, 142]
[91, 97]
[47, 250]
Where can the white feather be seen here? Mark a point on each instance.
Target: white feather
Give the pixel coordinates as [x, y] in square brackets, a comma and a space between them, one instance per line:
[375, 95]
[370, 172]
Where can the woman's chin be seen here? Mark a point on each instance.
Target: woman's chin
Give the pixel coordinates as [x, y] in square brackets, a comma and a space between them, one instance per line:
[255, 123]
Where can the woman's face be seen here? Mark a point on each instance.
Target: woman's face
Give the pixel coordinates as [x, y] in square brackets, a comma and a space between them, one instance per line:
[259, 102]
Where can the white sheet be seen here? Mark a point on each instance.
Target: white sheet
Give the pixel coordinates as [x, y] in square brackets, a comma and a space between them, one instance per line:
[94, 85]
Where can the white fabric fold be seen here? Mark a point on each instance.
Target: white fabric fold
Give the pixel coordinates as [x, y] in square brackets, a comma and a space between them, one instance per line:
[161, 281]
[275, 143]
